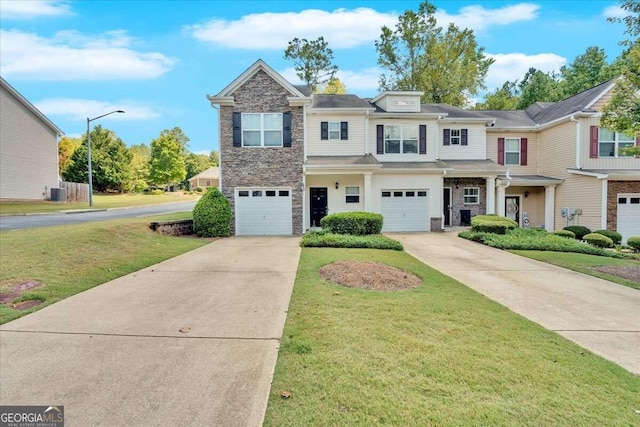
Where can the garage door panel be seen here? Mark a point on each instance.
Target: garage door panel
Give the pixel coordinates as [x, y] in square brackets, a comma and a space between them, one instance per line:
[628, 215]
[263, 212]
[405, 210]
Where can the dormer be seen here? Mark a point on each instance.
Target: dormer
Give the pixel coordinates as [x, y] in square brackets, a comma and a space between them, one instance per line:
[398, 101]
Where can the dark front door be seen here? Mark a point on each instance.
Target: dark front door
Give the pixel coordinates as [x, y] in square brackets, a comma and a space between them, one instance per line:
[446, 206]
[318, 205]
[512, 208]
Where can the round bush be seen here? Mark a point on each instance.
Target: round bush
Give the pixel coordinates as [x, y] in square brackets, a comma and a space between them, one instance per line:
[212, 215]
[634, 242]
[613, 235]
[356, 223]
[579, 230]
[565, 233]
[598, 240]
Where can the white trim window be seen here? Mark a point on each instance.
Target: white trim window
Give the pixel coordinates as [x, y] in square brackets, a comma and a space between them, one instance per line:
[352, 194]
[334, 130]
[455, 137]
[401, 139]
[610, 143]
[512, 151]
[471, 195]
[262, 129]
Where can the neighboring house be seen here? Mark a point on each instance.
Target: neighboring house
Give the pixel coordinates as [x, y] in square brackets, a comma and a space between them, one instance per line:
[205, 179]
[28, 148]
[289, 158]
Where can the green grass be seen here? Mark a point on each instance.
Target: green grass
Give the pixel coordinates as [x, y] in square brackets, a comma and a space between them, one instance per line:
[440, 354]
[72, 258]
[585, 264]
[100, 201]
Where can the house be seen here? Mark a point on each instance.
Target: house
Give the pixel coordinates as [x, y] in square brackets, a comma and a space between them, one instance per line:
[28, 148]
[288, 158]
[208, 178]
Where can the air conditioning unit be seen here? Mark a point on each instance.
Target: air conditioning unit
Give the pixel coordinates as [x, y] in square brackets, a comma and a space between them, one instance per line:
[59, 195]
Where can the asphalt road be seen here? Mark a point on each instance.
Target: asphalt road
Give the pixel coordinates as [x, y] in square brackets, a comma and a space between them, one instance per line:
[33, 221]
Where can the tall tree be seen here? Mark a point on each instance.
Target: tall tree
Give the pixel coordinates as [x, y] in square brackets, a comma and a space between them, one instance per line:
[167, 162]
[418, 55]
[194, 164]
[334, 87]
[586, 71]
[506, 97]
[214, 158]
[66, 147]
[538, 86]
[140, 156]
[312, 60]
[110, 161]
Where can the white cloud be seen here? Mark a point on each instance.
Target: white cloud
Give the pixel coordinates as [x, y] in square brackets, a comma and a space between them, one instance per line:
[80, 109]
[478, 18]
[20, 9]
[513, 66]
[614, 11]
[70, 55]
[356, 82]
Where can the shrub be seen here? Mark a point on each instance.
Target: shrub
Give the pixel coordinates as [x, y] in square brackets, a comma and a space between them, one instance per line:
[494, 217]
[212, 215]
[323, 239]
[613, 235]
[497, 225]
[565, 233]
[157, 192]
[634, 242]
[598, 240]
[355, 223]
[579, 230]
[199, 189]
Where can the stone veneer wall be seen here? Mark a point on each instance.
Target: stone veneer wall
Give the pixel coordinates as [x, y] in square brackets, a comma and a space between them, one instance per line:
[613, 189]
[436, 224]
[457, 199]
[258, 166]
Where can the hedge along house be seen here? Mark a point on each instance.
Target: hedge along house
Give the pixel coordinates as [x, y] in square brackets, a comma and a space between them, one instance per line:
[288, 158]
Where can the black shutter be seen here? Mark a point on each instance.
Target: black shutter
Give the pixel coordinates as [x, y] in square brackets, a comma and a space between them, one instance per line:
[380, 139]
[237, 129]
[324, 130]
[344, 130]
[423, 139]
[464, 140]
[446, 137]
[286, 129]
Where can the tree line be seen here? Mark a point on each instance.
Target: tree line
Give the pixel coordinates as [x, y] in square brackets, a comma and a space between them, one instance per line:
[138, 168]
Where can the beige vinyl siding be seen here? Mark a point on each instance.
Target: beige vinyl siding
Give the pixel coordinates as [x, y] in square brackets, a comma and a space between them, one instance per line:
[336, 199]
[603, 162]
[431, 183]
[532, 151]
[354, 146]
[580, 192]
[29, 160]
[604, 100]
[556, 150]
[533, 205]
[477, 140]
[431, 140]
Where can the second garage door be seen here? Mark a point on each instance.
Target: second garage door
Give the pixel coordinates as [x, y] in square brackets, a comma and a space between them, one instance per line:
[405, 210]
[263, 211]
[628, 215]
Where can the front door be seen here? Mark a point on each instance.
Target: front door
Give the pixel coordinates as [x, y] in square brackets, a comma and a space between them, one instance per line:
[318, 205]
[446, 206]
[512, 207]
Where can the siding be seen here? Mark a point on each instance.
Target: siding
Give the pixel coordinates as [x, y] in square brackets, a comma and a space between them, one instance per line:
[336, 199]
[532, 151]
[599, 105]
[29, 160]
[354, 146]
[477, 139]
[556, 150]
[431, 140]
[533, 205]
[580, 192]
[604, 162]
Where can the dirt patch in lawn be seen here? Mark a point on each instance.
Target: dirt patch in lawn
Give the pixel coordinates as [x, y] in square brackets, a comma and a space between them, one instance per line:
[15, 291]
[629, 273]
[369, 275]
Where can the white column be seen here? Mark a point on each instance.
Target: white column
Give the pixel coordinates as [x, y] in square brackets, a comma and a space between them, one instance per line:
[500, 200]
[549, 207]
[604, 197]
[368, 196]
[491, 195]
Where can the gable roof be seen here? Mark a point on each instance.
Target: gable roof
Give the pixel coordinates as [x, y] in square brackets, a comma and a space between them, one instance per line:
[340, 101]
[30, 106]
[212, 173]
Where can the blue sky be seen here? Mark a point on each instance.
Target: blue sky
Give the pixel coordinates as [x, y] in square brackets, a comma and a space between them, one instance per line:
[157, 60]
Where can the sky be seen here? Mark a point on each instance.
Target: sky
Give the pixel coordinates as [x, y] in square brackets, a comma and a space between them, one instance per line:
[157, 60]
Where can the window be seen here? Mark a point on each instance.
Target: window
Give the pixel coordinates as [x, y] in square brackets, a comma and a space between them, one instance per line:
[283, 193]
[401, 139]
[243, 194]
[455, 137]
[386, 194]
[256, 193]
[422, 194]
[262, 129]
[610, 143]
[334, 130]
[352, 194]
[270, 193]
[512, 151]
[208, 183]
[471, 196]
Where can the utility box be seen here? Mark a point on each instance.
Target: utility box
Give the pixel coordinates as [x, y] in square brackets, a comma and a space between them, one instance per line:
[59, 195]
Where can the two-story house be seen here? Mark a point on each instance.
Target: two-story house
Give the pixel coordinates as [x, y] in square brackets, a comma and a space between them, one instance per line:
[288, 158]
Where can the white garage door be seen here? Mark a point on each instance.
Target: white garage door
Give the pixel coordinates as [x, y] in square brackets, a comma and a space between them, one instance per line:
[628, 215]
[263, 211]
[405, 210]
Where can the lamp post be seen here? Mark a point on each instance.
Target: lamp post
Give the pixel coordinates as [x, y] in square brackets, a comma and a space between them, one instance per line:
[89, 152]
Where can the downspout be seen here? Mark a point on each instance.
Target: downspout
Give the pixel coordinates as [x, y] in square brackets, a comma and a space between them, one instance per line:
[440, 117]
[578, 142]
[366, 131]
[444, 173]
[217, 108]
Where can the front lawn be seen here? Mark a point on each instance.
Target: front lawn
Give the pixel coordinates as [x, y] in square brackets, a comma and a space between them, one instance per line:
[439, 354]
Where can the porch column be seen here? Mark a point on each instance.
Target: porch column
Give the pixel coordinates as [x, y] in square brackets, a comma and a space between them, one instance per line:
[549, 207]
[368, 196]
[491, 195]
[500, 199]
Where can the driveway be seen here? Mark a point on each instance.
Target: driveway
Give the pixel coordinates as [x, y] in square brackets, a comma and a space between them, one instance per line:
[190, 341]
[600, 316]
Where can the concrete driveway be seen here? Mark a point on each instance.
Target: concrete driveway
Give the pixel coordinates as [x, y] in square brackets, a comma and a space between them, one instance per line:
[115, 354]
[601, 316]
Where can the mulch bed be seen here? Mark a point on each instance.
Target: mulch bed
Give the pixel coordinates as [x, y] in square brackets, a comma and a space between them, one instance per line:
[369, 275]
[629, 273]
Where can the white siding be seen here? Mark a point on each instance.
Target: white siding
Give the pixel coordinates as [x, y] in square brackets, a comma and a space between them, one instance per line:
[29, 152]
[477, 140]
[336, 199]
[354, 146]
[403, 103]
[603, 162]
[431, 140]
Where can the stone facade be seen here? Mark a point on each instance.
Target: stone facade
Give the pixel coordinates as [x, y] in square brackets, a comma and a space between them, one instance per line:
[457, 197]
[613, 189]
[263, 166]
[436, 224]
[178, 227]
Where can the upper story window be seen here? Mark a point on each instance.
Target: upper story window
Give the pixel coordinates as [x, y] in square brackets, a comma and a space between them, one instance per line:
[401, 139]
[512, 151]
[334, 130]
[262, 129]
[610, 143]
[455, 136]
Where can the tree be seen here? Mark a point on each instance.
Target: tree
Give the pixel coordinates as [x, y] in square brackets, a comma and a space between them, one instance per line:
[505, 98]
[537, 86]
[167, 162]
[334, 87]
[214, 158]
[586, 71]
[448, 66]
[110, 162]
[312, 60]
[66, 147]
[140, 156]
[194, 164]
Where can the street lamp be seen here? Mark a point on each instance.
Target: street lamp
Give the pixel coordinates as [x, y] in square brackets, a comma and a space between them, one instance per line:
[89, 152]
